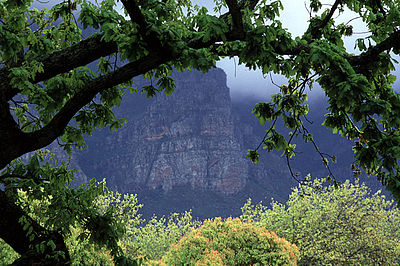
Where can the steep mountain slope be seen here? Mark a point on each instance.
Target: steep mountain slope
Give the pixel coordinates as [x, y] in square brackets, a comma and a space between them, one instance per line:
[189, 141]
[187, 151]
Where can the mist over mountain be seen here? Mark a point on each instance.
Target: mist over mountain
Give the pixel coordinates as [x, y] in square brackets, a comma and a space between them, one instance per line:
[187, 151]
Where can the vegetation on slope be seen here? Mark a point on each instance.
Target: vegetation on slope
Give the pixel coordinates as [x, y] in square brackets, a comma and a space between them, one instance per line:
[48, 92]
[327, 226]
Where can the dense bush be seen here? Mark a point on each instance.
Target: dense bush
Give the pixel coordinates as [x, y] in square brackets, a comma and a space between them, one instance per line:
[230, 242]
[342, 226]
[154, 238]
[81, 249]
[83, 252]
[151, 239]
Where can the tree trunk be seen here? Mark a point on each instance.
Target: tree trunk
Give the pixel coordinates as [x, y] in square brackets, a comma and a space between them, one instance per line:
[13, 233]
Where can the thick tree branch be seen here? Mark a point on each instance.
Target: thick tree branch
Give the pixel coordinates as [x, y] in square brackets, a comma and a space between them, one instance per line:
[151, 38]
[235, 11]
[87, 51]
[10, 134]
[62, 61]
[18, 239]
[58, 62]
[43, 137]
[370, 56]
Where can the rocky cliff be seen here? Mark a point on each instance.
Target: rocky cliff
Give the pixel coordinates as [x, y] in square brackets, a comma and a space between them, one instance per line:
[187, 151]
[189, 138]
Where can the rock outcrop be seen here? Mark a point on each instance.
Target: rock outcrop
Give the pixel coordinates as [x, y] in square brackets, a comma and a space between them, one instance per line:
[187, 151]
[189, 138]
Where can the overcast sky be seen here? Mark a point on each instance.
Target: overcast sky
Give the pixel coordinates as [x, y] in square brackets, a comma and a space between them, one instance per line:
[294, 17]
[244, 82]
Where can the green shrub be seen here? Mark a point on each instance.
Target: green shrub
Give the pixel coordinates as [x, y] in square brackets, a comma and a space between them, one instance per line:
[343, 226]
[231, 242]
[83, 252]
[153, 239]
[7, 254]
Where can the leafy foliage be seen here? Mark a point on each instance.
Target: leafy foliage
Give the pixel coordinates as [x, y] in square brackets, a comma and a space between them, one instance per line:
[82, 250]
[149, 239]
[58, 206]
[153, 239]
[48, 91]
[231, 242]
[7, 254]
[329, 225]
[334, 226]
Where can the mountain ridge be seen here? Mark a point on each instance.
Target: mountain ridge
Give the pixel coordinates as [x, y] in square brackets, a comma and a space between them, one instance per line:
[193, 143]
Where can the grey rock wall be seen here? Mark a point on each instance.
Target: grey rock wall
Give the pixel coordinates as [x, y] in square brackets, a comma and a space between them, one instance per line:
[189, 138]
[187, 151]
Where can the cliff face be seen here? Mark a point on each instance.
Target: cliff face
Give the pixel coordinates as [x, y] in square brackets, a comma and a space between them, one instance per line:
[189, 138]
[187, 151]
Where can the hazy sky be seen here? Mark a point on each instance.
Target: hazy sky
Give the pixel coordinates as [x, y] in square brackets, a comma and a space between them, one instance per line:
[294, 17]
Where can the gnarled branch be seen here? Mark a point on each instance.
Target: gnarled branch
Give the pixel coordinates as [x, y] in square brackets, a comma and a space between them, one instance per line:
[18, 238]
[62, 61]
[150, 37]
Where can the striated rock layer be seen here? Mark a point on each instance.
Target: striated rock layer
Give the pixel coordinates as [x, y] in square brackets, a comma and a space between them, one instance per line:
[189, 138]
[184, 139]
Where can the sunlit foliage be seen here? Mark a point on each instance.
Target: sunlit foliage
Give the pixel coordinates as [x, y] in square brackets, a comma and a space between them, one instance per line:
[49, 93]
[334, 226]
[231, 242]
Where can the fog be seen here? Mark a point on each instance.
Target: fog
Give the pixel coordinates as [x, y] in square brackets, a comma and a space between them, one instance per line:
[294, 17]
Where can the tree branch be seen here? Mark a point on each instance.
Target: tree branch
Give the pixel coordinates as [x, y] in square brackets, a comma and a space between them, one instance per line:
[47, 134]
[62, 61]
[87, 51]
[235, 11]
[13, 233]
[330, 14]
[151, 38]
[316, 29]
[369, 57]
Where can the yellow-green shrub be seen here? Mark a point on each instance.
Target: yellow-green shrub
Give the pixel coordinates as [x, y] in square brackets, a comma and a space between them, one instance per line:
[154, 238]
[231, 242]
[347, 225]
[7, 254]
[83, 252]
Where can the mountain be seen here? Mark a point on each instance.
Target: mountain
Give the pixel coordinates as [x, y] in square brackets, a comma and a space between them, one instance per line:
[185, 144]
[187, 151]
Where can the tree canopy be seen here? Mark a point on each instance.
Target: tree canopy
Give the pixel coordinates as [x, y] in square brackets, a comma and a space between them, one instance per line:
[334, 226]
[48, 92]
